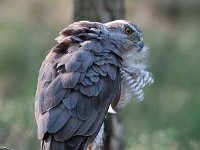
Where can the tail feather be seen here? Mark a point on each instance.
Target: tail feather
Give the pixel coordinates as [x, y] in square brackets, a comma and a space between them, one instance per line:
[74, 143]
[49, 143]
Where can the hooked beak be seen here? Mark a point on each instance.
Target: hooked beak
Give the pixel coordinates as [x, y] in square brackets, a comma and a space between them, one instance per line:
[139, 43]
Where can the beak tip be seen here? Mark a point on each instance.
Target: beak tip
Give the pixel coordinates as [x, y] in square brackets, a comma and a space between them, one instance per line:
[141, 44]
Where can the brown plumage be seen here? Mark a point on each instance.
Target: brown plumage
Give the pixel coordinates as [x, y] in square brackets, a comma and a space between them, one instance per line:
[81, 77]
[77, 82]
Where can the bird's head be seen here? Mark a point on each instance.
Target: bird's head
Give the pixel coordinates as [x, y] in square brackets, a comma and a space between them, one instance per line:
[126, 34]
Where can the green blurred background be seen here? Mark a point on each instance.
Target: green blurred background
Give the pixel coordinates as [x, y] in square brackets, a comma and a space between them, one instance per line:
[168, 118]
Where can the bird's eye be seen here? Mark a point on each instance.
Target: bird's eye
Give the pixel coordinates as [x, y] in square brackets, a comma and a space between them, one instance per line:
[128, 31]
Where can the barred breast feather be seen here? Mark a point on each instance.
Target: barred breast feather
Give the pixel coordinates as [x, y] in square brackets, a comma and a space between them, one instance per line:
[134, 76]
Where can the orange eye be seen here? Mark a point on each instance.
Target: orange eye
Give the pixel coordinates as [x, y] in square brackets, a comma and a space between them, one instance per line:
[128, 31]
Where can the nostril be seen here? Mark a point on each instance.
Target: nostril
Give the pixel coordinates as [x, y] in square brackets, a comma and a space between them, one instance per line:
[141, 39]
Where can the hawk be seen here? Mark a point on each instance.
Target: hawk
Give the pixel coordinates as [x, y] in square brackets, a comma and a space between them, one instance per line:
[95, 68]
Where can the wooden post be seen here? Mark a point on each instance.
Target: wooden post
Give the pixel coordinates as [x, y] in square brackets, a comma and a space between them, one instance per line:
[104, 11]
[99, 10]
[4, 148]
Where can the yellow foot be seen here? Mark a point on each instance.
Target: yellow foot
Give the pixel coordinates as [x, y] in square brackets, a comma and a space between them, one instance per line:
[90, 147]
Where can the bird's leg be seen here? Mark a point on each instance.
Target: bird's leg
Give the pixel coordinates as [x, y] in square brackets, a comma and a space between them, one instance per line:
[90, 147]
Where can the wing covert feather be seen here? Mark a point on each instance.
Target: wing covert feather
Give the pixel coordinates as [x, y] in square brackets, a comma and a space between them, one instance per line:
[57, 118]
[77, 82]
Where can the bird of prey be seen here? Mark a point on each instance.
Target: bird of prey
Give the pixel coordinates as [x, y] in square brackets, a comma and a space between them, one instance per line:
[94, 68]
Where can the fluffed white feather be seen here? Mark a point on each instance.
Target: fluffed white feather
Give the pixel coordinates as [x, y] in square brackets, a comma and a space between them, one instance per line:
[134, 76]
[111, 110]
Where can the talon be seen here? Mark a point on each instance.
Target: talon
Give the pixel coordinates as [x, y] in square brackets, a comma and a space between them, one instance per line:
[90, 147]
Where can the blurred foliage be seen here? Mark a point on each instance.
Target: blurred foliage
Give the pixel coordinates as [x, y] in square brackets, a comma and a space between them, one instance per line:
[168, 118]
